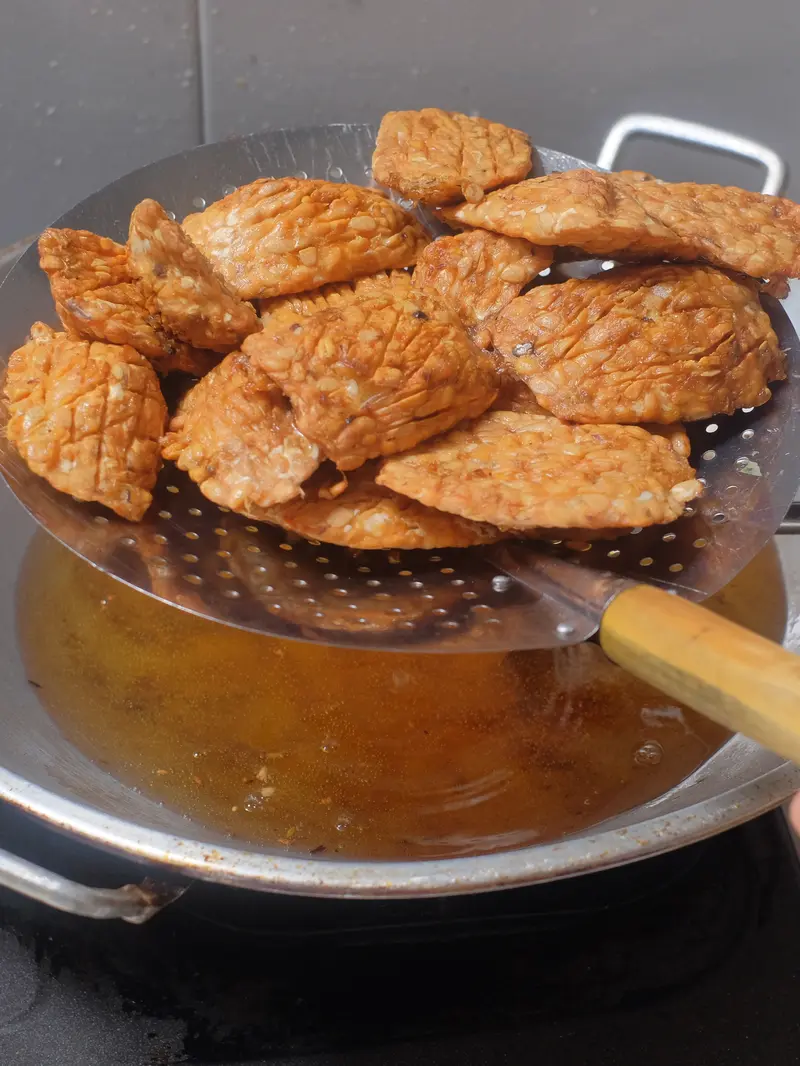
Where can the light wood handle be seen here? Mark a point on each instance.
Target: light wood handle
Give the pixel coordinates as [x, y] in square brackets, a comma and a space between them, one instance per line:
[725, 672]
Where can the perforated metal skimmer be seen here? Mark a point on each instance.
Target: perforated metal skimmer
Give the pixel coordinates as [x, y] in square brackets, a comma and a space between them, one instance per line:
[204, 559]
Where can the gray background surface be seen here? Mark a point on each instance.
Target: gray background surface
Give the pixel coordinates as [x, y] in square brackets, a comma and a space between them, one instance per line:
[89, 90]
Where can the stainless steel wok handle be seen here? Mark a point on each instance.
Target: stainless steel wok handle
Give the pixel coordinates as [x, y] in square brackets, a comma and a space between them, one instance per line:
[131, 903]
[791, 523]
[676, 129]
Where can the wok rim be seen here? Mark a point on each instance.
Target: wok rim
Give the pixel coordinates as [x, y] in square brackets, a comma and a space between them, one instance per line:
[371, 878]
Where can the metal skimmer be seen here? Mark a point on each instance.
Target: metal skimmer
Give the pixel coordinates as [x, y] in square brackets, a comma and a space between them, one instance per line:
[207, 560]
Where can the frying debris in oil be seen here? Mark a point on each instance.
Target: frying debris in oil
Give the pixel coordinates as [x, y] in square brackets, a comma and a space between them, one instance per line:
[337, 752]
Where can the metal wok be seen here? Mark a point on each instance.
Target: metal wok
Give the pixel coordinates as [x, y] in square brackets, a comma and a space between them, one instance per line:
[45, 775]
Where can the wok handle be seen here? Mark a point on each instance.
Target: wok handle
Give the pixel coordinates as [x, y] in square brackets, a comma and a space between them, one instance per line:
[791, 523]
[676, 129]
[131, 903]
[733, 676]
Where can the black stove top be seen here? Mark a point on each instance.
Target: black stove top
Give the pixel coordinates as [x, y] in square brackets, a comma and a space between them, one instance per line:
[691, 958]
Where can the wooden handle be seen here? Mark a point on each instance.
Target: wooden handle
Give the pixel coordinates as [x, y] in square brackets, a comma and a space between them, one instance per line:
[725, 672]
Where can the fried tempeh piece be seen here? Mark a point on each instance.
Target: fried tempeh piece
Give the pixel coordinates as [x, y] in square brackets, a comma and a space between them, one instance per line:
[235, 436]
[525, 471]
[192, 300]
[369, 516]
[375, 376]
[515, 394]
[478, 273]
[439, 157]
[98, 298]
[95, 294]
[294, 308]
[643, 344]
[606, 214]
[637, 175]
[194, 361]
[284, 235]
[87, 417]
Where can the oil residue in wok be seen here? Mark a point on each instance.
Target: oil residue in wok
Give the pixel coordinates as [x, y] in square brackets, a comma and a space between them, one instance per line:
[347, 753]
